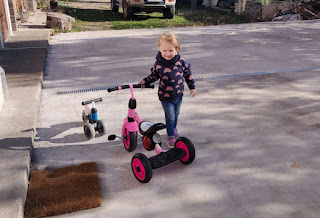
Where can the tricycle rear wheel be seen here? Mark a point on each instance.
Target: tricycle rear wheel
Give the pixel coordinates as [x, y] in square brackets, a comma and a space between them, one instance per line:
[141, 168]
[188, 147]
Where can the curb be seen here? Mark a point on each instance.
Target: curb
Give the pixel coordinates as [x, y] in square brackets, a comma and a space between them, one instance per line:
[24, 64]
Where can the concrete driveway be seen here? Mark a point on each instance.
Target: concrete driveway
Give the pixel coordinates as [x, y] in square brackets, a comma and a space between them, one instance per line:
[255, 121]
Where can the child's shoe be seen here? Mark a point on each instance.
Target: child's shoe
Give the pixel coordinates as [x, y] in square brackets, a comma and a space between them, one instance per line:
[176, 134]
[171, 141]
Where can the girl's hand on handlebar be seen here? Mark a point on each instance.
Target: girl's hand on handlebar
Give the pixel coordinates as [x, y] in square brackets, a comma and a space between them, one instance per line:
[192, 92]
[142, 83]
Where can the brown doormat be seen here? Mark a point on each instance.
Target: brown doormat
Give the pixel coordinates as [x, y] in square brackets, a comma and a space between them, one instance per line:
[63, 190]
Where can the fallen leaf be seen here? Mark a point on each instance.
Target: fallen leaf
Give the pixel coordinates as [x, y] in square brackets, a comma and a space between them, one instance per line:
[296, 165]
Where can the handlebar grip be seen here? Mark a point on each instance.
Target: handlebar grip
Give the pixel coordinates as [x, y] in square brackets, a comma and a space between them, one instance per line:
[149, 86]
[90, 101]
[113, 89]
[142, 86]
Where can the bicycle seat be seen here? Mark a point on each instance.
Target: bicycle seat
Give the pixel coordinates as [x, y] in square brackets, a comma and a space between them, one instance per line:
[145, 127]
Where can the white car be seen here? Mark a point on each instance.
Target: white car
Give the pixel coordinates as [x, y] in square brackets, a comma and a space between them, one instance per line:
[167, 7]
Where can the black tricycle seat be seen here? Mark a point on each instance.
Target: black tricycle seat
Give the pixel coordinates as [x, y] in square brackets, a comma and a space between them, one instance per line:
[149, 128]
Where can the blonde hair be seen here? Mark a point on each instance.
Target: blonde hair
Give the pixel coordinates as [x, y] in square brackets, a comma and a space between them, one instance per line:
[169, 37]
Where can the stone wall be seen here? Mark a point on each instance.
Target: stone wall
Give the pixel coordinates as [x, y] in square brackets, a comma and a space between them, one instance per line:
[248, 7]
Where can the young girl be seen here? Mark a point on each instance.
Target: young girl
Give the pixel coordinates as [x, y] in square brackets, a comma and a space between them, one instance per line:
[172, 70]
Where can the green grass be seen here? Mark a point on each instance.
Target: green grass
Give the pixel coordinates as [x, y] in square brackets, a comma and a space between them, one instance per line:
[93, 19]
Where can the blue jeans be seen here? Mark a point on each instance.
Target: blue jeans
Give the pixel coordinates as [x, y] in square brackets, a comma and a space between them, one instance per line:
[172, 111]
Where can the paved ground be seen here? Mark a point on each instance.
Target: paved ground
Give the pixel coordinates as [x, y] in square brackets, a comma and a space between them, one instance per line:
[254, 122]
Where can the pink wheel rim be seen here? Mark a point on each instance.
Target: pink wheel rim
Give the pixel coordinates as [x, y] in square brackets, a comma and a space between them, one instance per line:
[126, 142]
[183, 146]
[141, 173]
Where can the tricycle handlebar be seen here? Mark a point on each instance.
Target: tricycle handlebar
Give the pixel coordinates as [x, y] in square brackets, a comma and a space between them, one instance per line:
[128, 86]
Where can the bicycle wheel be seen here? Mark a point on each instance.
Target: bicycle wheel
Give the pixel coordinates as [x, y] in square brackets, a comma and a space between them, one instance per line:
[89, 131]
[84, 116]
[130, 140]
[101, 127]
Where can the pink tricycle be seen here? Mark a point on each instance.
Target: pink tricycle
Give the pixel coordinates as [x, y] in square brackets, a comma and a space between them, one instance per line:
[151, 140]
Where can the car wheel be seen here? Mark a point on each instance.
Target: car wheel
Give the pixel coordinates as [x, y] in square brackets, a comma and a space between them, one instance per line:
[127, 11]
[114, 7]
[168, 13]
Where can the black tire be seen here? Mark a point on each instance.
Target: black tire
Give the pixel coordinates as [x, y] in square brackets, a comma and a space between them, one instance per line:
[141, 168]
[114, 7]
[188, 146]
[130, 143]
[128, 12]
[89, 131]
[101, 127]
[168, 13]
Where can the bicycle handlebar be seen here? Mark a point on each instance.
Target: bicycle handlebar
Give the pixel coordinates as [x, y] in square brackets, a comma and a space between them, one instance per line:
[127, 86]
[90, 101]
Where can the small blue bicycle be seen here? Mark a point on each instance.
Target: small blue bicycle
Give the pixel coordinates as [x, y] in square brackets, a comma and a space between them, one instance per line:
[90, 119]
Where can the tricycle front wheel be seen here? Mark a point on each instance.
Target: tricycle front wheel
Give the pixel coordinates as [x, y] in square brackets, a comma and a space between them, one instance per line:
[130, 140]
